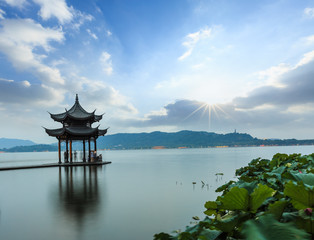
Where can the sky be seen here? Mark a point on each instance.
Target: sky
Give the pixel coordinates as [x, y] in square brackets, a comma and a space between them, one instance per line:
[162, 65]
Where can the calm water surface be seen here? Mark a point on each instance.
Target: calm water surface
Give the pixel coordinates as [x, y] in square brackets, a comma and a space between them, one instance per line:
[141, 193]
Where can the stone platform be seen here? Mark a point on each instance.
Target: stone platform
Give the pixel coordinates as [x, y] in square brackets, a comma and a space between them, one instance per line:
[74, 164]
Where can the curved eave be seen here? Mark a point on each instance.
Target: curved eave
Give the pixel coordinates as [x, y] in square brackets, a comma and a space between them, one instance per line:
[76, 115]
[58, 117]
[76, 132]
[63, 116]
[97, 118]
[102, 132]
[55, 132]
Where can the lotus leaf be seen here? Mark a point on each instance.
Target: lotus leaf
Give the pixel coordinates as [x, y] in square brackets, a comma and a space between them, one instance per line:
[267, 228]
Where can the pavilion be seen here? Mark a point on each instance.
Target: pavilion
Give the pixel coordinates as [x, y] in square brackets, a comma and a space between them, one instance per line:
[77, 126]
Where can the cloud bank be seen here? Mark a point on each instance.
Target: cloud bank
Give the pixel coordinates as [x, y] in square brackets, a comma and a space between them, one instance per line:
[285, 101]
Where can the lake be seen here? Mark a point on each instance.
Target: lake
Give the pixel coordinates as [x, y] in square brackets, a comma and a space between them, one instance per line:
[141, 193]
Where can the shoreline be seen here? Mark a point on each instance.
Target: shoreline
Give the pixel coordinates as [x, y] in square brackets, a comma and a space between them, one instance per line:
[181, 147]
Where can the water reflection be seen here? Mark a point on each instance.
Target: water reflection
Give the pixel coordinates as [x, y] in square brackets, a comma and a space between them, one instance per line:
[79, 197]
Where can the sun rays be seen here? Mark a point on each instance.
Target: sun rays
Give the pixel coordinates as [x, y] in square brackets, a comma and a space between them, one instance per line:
[208, 111]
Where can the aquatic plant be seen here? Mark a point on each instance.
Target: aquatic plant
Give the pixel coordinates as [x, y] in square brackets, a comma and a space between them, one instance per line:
[272, 199]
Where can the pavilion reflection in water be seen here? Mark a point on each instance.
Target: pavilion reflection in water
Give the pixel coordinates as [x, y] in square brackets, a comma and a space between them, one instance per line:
[79, 197]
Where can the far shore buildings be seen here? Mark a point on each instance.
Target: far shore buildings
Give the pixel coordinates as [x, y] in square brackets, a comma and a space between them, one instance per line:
[76, 126]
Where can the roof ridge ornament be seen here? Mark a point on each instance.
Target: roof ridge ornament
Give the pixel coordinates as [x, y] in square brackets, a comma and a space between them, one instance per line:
[76, 98]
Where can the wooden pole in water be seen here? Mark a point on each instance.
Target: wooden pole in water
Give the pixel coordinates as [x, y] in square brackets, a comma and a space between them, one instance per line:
[71, 158]
[84, 158]
[59, 150]
[67, 152]
[89, 158]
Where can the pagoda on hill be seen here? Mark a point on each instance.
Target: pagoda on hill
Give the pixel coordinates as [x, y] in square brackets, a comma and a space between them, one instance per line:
[77, 126]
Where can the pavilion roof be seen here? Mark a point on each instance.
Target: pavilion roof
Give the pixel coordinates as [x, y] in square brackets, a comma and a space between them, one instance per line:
[76, 112]
[76, 131]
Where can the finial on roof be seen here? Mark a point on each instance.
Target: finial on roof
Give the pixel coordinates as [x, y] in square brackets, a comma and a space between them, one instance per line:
[76, 98]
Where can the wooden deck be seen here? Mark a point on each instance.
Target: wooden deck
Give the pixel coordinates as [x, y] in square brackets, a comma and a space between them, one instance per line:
[74, 164]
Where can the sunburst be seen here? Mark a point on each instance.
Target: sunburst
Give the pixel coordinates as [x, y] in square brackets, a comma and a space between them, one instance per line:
[209, 109]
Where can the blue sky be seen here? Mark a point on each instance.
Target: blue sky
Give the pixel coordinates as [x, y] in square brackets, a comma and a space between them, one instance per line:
[159, 65]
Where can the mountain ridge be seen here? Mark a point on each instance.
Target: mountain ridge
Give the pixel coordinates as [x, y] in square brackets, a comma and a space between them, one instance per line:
[157, 139]
[14, 142]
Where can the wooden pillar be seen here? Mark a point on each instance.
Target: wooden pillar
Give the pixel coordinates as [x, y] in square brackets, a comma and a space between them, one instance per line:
[59, 150]
[89, 157]
[71, 158]
[84, 158]
[67, 152]
[95, 143]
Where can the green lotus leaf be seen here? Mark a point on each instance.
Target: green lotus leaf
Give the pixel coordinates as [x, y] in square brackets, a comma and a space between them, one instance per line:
[254, 162]
[305, 221]
[267, 228]
[277, 208]
[303, 160]
[164, 236]
[192, 229]
[289, 216]
[225, 186]
[211, 207]
[185, 236]
[288, 176]
[279, 170]
[247, 178]
[271, 180]
[236, 199]
[307, 178]
[210, 212]
[249, 186]
[260, 194]
[207, 234]
[301, 196]
[228, 222]
[277, 159]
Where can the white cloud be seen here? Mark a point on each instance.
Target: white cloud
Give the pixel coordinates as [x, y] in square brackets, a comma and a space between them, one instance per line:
[186, 54]
[192, 39]
[16, 3]
[109, 33]
[309, 39]
[273, 74]
[307, 57]
[23, 92]
[93, 35]
[309, 12]
[106, 62]
[27, 32]
[56, 8]
[26, 83]
[79, 18]
[100, 95]
[296, 87]
[2, 13]
[19, 39]
[98, 9]
[284, 101]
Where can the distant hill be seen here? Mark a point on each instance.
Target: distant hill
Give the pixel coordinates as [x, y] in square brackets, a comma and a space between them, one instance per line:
[32, 148]
[11, 142]
[188, 139]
